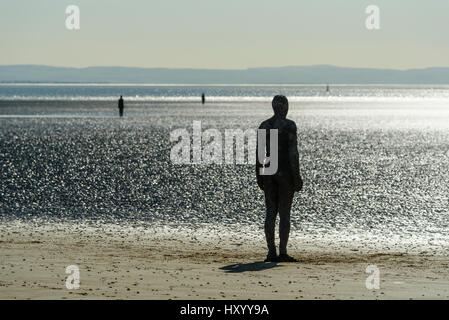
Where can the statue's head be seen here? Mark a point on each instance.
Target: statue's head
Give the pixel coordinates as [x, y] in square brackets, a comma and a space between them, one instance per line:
[280, 105]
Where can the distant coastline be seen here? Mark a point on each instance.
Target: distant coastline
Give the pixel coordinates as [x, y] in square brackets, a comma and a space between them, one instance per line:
[290, 75]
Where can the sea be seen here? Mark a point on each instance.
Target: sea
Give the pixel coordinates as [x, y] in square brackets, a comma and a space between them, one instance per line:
[374, 158]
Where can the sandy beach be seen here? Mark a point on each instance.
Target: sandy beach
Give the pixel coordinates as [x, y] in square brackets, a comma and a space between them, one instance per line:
[170, 263]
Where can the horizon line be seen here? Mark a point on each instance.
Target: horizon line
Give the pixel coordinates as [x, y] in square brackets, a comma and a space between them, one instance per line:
[125, 84]
[220, 69]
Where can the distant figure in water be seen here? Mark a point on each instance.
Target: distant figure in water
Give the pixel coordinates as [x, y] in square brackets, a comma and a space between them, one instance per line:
[327, 89]
[203, 99]
[280, 187]
[121, 106]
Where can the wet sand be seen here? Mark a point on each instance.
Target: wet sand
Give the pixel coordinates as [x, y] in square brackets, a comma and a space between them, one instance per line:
[135, 262]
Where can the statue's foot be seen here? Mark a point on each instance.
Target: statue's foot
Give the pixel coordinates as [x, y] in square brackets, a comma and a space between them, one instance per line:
[286, 258]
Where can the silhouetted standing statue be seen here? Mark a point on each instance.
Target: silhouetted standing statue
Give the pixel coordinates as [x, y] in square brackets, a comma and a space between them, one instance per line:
[279, 188]
[203, 99]
[121, 106]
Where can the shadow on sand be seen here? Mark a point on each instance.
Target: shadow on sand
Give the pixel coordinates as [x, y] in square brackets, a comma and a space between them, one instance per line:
[253, 266]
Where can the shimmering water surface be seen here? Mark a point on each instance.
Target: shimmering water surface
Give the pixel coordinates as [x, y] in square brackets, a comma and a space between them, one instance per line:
[374, 159]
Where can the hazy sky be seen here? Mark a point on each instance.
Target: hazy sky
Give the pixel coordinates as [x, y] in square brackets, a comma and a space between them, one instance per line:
[225, 34]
